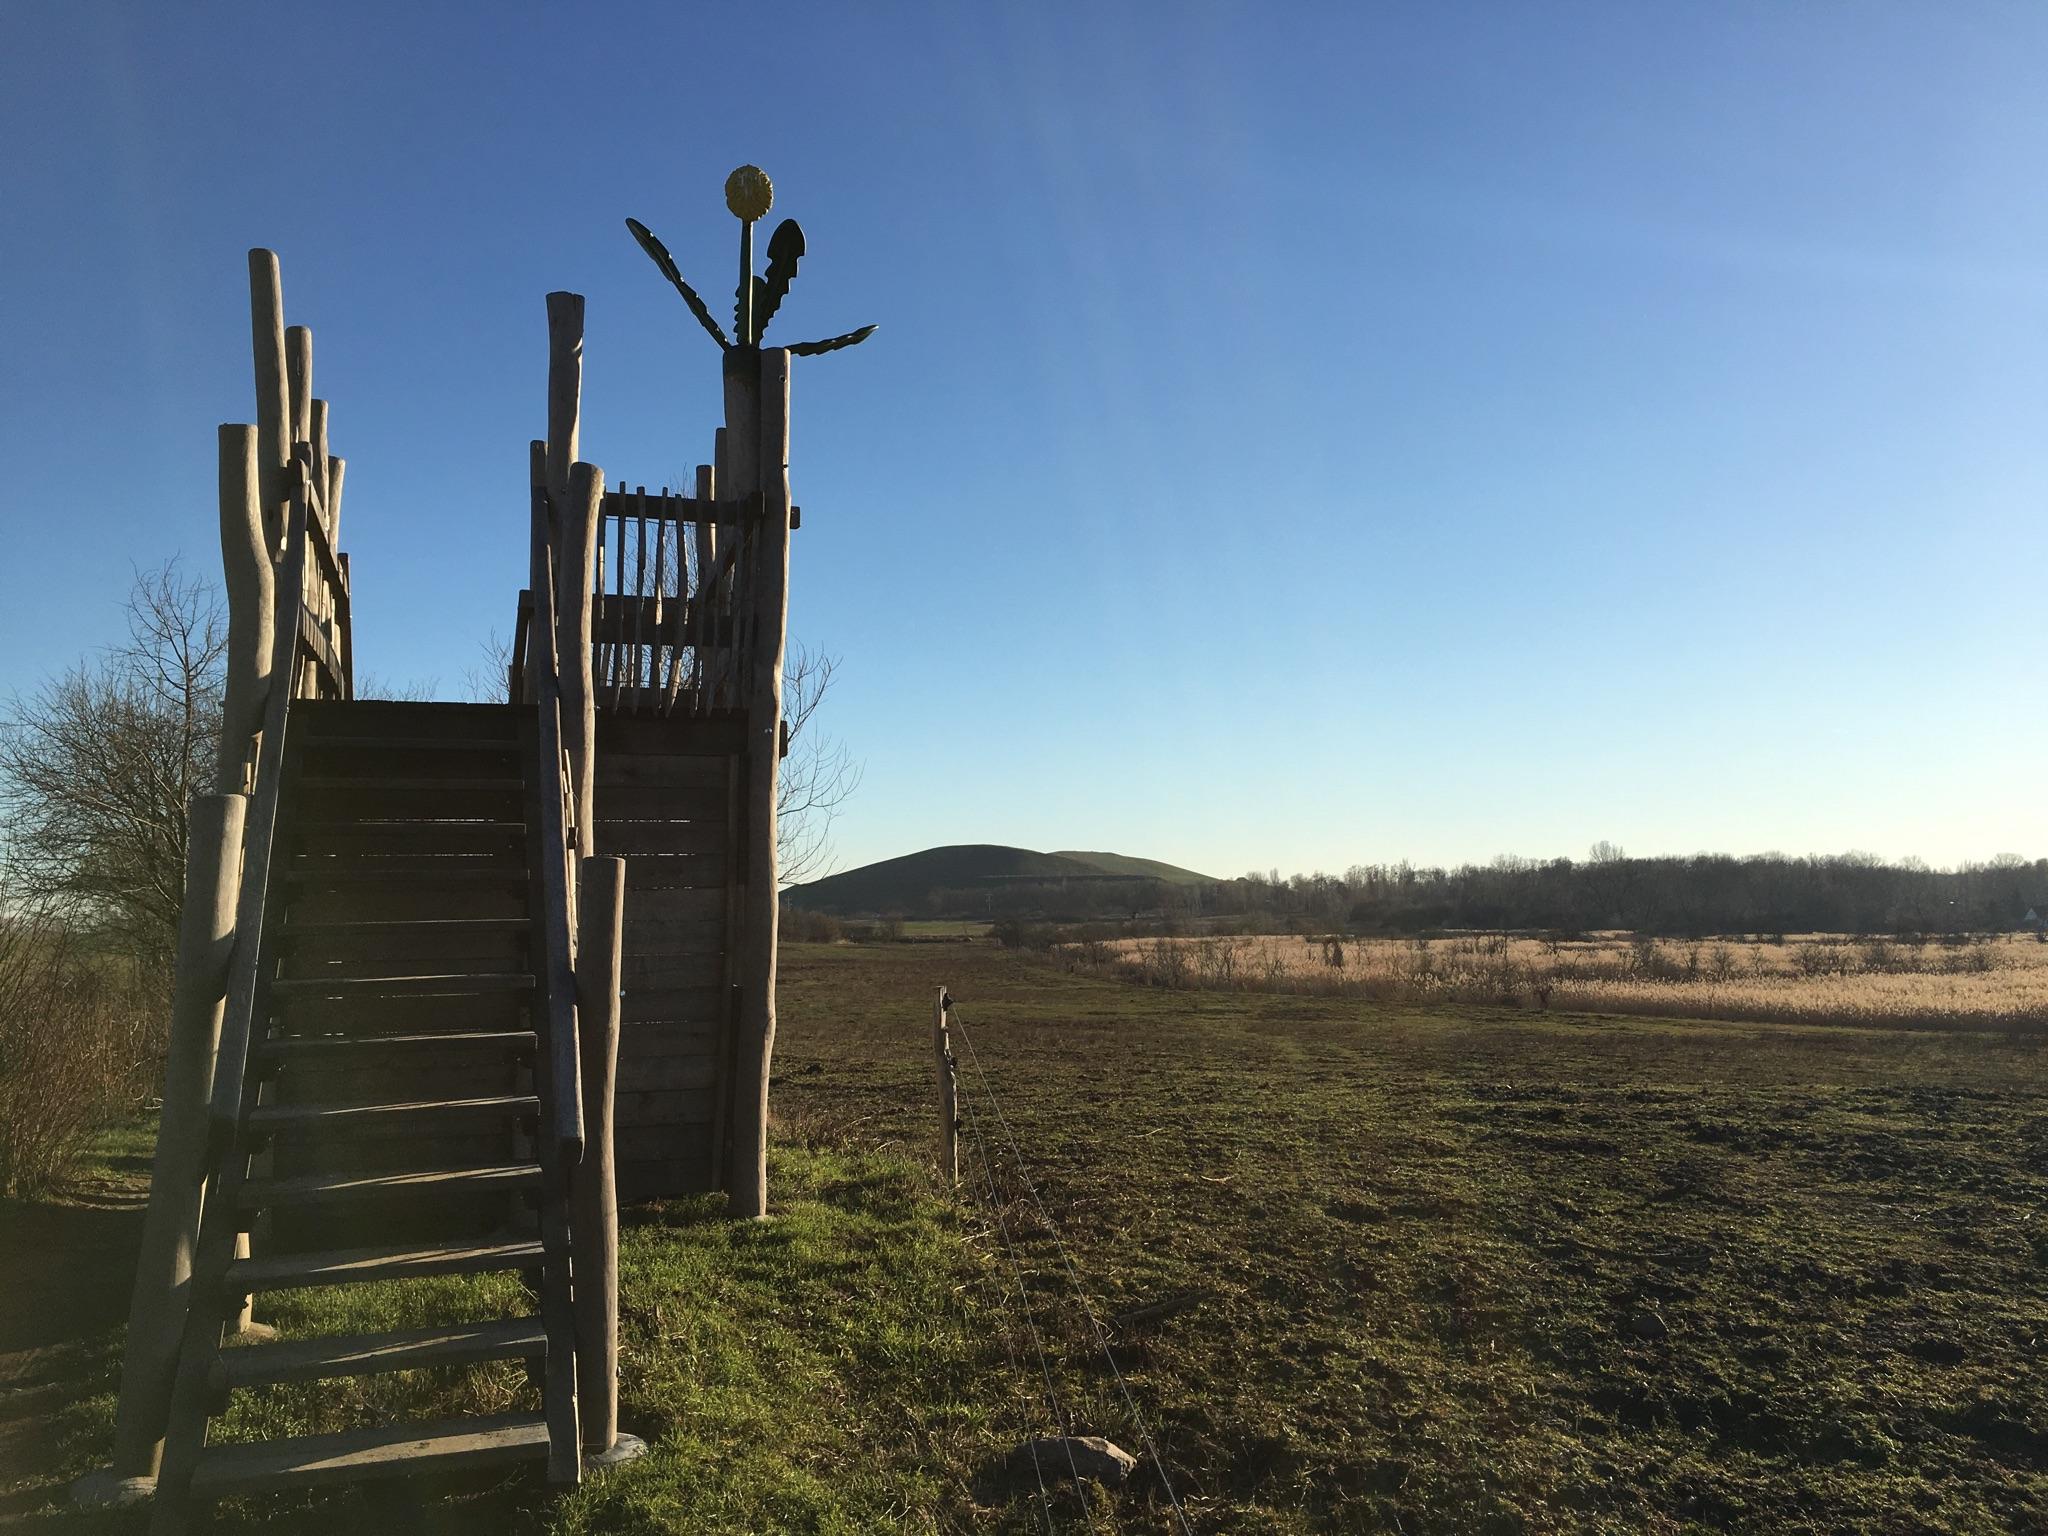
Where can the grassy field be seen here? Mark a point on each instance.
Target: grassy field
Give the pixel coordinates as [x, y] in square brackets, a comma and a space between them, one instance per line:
[1486, 1270]
[1433, 1270]
[945, 928]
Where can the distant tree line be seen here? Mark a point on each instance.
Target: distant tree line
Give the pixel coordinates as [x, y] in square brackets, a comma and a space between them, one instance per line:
[1703, 894]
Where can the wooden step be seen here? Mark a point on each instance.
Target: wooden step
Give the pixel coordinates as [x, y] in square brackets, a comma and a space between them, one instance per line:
[453, 927]
[351, 1266]
[375, 719]
[414, 836]
[414, 1116]
[316, 783]
[381, 801]
[383, 1048]
[412, 829]
[434, 871]
[396, 1450]
[367, 1354]
[487, 982]
[315, 741]
[313, 947]
[374, 1016]
[330, 1188]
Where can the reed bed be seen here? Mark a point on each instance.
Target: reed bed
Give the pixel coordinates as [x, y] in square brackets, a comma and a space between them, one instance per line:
[1973, 982]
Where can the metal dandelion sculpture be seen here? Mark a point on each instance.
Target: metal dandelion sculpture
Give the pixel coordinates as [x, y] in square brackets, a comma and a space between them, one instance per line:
[749, 194]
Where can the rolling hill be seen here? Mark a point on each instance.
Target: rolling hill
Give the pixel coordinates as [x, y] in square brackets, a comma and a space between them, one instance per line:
[904, 885]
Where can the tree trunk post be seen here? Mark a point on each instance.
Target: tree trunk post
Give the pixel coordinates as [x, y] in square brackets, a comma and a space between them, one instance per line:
[170, 1231]
[273, 396]
[582, 515]
[565, 390]
[298, 368]
[949, 1091]
[251, 581]
[596, 1229]
[757, 448]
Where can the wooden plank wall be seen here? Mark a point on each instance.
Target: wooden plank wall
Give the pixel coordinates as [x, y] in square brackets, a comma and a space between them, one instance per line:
[668, 803]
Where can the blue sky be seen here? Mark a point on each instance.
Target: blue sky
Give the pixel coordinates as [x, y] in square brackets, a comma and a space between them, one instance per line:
[1297, 435]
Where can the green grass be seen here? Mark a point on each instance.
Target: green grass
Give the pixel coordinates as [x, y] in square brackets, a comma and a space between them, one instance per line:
[1142, 869]
[1461, 1270]
[817, 1372]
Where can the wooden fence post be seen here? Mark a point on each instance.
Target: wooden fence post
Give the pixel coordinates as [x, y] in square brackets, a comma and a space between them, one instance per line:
[762, 468]
[170, 1229]
[949, 1090]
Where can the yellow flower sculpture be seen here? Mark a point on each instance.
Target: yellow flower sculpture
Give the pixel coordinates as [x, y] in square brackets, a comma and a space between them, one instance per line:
[749, 193]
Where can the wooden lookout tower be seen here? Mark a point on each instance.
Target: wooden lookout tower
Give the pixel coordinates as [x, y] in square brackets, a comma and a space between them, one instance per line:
[455, 978]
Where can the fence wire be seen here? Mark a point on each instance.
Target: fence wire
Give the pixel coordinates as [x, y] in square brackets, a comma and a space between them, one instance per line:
[1073, 1275]
[1059, 1414]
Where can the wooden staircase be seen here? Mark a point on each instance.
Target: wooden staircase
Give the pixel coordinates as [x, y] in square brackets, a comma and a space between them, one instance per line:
[391, 1119]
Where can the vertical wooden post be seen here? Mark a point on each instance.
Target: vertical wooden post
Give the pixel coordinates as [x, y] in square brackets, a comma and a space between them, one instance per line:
[337, 467]
[706, 533]
[596, 1228]
[170, 1229]
[298, 364]
[949, 1091]
[251, 606]
[757, 415]
[273, 395]
[317, 430]
[565, 388]
[576, 558]
[721, 597]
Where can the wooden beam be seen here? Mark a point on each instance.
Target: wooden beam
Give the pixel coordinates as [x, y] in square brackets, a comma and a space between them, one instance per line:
[170, 1227]
[273, 395]
[251, 584]
[596, 1225]
[298, 362]
[578, 557]
[565, 389]
[766, 455]
[704, 511]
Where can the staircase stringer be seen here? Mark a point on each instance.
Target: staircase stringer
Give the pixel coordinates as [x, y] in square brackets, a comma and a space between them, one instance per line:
[211, 1305]
[556, 1298]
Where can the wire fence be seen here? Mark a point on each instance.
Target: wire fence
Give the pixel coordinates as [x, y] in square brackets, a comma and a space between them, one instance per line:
[1100, 1335]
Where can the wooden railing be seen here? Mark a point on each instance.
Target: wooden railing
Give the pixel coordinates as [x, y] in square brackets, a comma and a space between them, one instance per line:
[669, 631]
[324, 618]
[289, 637]
[556, 820]
[291, 630]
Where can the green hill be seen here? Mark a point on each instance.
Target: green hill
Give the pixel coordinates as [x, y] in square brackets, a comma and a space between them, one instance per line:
[1137, 869]
[905, 885]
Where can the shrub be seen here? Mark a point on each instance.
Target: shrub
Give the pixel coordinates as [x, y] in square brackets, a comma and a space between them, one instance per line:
[803, 927]
[80, 1041]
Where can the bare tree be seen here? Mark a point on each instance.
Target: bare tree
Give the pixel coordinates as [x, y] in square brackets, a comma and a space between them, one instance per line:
[818, 777]
[98, 765]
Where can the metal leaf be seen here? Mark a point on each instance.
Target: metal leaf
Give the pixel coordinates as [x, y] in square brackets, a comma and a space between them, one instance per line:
[785, 250]
[661, 258]
[832, 344]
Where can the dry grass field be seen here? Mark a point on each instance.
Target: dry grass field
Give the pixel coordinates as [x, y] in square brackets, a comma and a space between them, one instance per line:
[1976, 982]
